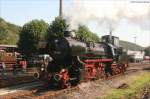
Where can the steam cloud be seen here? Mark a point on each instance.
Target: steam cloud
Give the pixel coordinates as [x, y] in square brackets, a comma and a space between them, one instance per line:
[108, 12]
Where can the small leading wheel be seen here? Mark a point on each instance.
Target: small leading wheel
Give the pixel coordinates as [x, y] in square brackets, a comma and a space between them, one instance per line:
[36, 75]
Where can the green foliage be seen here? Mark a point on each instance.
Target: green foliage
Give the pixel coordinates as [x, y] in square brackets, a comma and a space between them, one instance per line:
[8, 32]
[94, 37]
[32, 32]
[130, 46]
[147, 51]
[57, 27]
[84, 34]
[135, 84]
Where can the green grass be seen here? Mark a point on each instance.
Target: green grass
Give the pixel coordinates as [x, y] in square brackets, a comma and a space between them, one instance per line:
[135, 85]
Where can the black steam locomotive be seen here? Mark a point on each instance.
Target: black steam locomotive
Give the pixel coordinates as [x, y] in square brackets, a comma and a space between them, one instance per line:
[74, 61]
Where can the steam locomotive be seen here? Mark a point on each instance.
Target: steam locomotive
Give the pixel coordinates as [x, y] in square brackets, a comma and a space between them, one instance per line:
[74, 61]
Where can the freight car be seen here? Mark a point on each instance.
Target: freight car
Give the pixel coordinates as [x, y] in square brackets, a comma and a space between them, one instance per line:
[74, 61]
[7, 58]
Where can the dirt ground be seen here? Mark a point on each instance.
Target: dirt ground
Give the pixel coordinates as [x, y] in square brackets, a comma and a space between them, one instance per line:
[99, 89]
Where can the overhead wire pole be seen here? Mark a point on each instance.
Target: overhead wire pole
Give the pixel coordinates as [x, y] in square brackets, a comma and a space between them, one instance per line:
[110, 33]
[135, 45]
[135, 39]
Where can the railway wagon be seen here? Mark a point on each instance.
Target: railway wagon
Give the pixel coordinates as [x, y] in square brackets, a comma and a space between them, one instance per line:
[136, 56]
[7, 59]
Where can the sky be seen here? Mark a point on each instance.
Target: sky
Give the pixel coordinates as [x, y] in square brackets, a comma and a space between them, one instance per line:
[20, 12]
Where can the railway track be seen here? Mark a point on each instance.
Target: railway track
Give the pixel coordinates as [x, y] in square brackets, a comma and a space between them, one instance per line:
[8, 79]
[19, 90]
[8, 82]
[20, 87]
[38, 92]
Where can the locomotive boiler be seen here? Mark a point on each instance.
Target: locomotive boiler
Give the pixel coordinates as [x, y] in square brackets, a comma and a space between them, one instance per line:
[74, 61]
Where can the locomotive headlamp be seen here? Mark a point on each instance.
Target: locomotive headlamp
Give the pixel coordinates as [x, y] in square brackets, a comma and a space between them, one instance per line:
[63, 70]
[42, 69]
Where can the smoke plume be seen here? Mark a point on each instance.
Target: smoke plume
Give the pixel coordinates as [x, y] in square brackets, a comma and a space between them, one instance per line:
[108, 12]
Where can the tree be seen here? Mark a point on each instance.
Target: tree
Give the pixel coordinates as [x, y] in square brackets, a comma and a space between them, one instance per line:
[3, 35]
[8, 32]
[147, 51]
[84, 34]
[31, 33]
[57, 27]
[94, 37]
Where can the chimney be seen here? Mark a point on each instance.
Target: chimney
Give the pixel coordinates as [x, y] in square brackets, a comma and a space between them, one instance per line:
[60, 8]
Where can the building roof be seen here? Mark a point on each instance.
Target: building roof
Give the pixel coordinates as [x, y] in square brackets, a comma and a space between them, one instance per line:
[3, 45]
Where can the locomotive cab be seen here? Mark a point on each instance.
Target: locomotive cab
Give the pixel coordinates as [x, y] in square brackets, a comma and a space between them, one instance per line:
[111, 40]
[114, 45]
